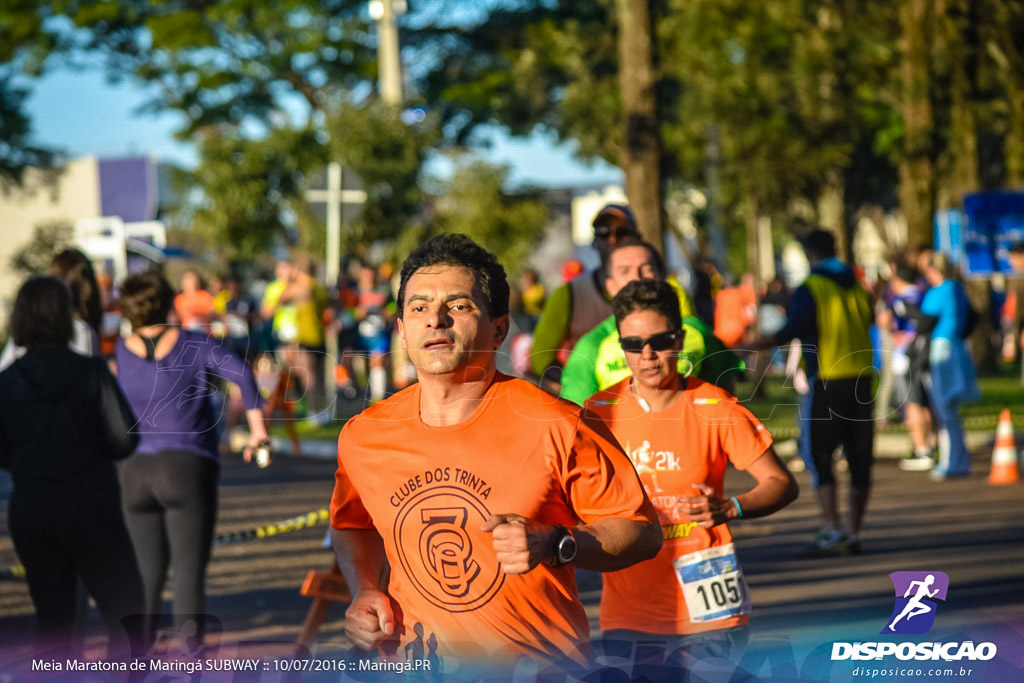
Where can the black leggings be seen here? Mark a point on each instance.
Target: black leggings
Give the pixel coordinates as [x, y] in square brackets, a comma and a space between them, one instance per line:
[170, 506]
[78, 535]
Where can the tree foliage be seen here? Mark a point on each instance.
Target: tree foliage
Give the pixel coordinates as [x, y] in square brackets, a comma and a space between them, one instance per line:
[250, 187]
[388, 155]
[477, 204]
[799, 107]
[228, 61]
[801, 101]
[34, 257]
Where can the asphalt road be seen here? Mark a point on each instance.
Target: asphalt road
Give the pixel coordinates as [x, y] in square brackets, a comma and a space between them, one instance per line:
[968, 529]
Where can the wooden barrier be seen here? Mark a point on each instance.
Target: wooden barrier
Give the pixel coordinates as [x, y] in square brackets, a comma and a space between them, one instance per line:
[325, 588]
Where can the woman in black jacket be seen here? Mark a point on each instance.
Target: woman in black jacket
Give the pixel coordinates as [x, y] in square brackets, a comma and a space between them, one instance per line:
[63, 423]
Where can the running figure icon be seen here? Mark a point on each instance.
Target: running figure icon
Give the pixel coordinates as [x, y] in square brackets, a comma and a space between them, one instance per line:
[915, 607]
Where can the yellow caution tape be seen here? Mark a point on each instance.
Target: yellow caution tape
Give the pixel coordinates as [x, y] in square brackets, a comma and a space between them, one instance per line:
[312, 518]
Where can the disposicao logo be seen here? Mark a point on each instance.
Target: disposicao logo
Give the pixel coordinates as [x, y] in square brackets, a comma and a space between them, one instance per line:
[912, 614]
[916, 593]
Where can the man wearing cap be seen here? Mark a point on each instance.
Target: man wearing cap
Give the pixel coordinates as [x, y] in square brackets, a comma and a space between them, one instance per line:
[581, 304]
[830, 313]
[598, 362]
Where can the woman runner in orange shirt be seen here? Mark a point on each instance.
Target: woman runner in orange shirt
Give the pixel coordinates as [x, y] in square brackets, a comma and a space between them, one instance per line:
[680, 434]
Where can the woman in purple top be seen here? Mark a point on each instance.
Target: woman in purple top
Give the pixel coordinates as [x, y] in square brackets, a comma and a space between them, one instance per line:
[169, 489]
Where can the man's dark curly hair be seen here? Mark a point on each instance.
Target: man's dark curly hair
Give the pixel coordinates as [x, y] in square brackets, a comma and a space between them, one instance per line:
[460, 250]
[648, 295]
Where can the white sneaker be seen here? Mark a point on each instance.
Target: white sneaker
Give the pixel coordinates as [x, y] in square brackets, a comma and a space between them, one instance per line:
[917, 463]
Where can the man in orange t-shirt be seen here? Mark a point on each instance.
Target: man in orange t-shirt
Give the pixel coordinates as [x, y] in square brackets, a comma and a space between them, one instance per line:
[681, 434]
[468, 487]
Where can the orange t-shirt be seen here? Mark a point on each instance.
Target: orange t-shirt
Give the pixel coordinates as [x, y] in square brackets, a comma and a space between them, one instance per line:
[428, 490]
[690, 442]
[194, 310]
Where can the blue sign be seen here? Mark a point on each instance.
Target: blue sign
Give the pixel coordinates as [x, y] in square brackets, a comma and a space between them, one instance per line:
[994, 221]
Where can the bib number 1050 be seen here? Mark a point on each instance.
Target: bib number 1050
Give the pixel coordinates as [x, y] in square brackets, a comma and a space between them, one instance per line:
[712, 584]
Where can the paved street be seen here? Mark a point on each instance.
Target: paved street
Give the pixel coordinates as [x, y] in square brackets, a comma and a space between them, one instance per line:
[970, 530]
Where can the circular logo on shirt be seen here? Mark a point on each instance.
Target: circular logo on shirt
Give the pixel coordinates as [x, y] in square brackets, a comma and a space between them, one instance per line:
[437, 553]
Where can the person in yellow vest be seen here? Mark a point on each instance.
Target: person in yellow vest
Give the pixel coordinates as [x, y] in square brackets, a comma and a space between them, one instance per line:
[830, 313]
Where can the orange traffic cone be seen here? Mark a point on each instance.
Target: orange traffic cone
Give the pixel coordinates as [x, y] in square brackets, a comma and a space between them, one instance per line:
[1004, 455]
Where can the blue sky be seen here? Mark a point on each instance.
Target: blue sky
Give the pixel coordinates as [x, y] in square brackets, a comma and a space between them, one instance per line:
[83, 114]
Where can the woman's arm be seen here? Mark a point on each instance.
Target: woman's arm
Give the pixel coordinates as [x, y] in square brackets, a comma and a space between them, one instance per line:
[775, 489]
[117, 420]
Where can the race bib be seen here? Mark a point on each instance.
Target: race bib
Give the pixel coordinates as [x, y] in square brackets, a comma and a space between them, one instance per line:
[713, 584]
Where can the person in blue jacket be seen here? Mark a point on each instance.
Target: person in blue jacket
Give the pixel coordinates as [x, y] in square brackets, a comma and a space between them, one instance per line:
[951, 373]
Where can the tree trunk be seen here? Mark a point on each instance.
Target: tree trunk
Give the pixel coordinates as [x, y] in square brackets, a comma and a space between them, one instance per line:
[980, 343]
[962, 39]
[1003, 46]
[917, 170]
[1013, 145]
[753, 237]
[712, 175]
[641, 155]
[832, 214]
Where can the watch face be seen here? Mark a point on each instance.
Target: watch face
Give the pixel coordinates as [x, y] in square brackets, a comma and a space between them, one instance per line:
[567, 549]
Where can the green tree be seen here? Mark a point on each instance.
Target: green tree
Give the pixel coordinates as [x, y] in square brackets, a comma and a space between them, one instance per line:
[388, 155]
[24, 45]
[250, 188]
[33, 258]
[476, 202]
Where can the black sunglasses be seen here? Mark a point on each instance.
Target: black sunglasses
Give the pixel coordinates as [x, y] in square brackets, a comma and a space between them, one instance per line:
[621, 231]
[659, 342]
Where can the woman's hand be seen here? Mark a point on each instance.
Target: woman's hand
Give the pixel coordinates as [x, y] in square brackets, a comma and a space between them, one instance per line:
[256, 445]
[707, 509]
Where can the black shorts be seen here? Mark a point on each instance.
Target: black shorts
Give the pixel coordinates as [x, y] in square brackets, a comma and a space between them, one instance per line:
[841, 415]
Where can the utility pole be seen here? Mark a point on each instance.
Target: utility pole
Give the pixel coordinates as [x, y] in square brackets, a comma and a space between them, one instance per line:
[389, 61]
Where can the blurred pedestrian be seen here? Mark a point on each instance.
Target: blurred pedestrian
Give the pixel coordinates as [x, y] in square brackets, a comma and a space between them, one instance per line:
[375, 326]
[771, 316]
[951, 373]
[598, 361]
[346, 325]
[830, 313]
[75, 269]
[63, 423]
[1015, 302]
[910, 363]
[296, 302]
[581, 304]
[532, 293]
[194, 306]
[170, 487]
[236, 312]
[735, 312]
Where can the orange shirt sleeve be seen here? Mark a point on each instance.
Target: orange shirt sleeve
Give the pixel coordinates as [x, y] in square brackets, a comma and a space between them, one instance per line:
[347, 510]
[599, 479]
[743, 438]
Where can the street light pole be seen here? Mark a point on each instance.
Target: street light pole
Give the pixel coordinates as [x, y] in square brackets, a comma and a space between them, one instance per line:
[389, 61]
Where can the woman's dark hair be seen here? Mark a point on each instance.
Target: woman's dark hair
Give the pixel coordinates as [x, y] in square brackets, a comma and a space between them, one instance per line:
[460, 250]
[907, 273]
[146, 299]
[75, 269]
[648, 295]
[42, 313]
